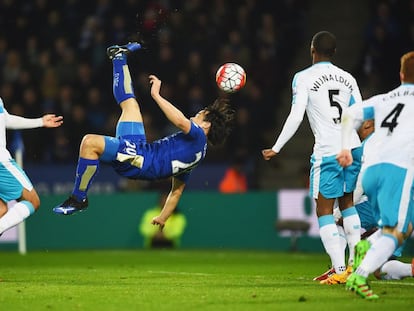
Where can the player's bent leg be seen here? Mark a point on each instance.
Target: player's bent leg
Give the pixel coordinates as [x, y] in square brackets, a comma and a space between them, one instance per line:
[395, 270]
[32, 197]
[20, 210]
[92, 147]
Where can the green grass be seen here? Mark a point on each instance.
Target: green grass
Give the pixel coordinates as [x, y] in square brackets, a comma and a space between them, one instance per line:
[181, 280]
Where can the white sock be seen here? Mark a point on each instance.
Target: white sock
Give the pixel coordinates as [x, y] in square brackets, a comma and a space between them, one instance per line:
[331, 241]
[342, 238]
[15, 215]
[377, 255]
[352, 227]
[396, 270]
[375, 236]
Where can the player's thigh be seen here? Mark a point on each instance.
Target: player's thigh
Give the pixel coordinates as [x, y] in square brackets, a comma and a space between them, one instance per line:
[130, 111]
[326, 177]
[351, 172]
[131, 130]
[12, 181]
[395, 196]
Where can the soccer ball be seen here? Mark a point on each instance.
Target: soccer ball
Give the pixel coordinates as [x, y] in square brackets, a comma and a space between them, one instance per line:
[230, 77]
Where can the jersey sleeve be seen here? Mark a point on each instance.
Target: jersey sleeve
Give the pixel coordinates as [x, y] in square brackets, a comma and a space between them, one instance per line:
[355, 94]
[297, 112]
[19, 123]
[194, 130]
[351, 120]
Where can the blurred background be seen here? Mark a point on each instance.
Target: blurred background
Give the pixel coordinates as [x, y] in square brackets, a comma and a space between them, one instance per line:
[53, 60]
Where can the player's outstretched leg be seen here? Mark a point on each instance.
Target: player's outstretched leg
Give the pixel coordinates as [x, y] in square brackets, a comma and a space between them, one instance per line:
[123, 90]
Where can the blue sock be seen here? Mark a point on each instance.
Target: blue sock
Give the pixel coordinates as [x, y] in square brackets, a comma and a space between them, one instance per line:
[122, 82]
[85, 172]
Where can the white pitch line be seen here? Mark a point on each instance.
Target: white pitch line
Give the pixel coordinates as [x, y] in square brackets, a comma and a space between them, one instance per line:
[393, 283]
[180, 273]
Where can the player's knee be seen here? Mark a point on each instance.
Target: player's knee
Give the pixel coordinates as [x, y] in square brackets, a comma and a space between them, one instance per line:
[32, 197]
[3, 208]
[88, 141]
[35, 202]
[395, 232]
[92, 146]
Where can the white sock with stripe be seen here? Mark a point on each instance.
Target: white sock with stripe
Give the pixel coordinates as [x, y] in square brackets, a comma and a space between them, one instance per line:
[352, 228]
[377, 255]
[15, 215]
[332, 241]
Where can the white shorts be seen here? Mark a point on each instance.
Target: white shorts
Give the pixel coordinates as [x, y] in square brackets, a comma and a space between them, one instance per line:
[332, 180]
[390, 192]
[12, 181]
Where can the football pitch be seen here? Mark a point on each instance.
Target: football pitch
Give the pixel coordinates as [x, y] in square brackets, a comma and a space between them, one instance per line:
[181, 280]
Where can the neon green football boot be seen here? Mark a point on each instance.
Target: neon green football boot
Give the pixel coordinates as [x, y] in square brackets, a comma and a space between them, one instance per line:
[360, 286]
[361, 248]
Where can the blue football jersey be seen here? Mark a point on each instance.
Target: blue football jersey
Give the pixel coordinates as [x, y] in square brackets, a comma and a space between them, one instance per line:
[174, 155]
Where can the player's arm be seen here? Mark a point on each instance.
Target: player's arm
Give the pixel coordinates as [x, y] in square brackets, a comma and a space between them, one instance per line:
[352, 119]
[293, 121]
[18, 123]
[173, 114]
[171, 203]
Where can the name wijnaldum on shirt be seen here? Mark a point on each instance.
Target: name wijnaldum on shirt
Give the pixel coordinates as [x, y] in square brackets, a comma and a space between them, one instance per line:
[329, 77]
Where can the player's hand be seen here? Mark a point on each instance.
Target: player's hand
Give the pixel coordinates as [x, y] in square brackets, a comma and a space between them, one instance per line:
[268, 154]
[158, 221]
[155, 85]
[344, 158]
[51, 120]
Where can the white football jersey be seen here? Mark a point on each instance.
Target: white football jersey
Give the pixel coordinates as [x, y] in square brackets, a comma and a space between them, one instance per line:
[324, 91]
[4, 153]
[393, 113]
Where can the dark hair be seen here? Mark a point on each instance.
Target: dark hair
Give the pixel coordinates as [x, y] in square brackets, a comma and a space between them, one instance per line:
[221, 117]
[324, 43]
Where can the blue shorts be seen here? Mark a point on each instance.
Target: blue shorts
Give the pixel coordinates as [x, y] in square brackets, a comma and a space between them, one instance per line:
[331, 179]
[12, 181]
[129, 136]
[369, 219]
[390, 192]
